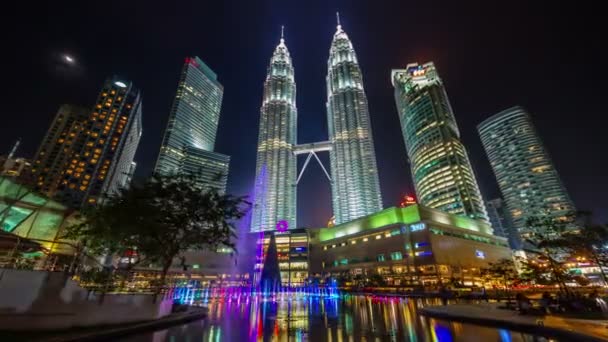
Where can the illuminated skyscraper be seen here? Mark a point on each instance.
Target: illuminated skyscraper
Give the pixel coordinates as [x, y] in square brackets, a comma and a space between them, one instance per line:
[275, 188]
[527, 179]
[56, 149]
[439, 163]
[189, 140]
[355, 186]
[88, 153]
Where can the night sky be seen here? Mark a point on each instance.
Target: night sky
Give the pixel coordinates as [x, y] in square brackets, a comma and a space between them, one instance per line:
[490, 54]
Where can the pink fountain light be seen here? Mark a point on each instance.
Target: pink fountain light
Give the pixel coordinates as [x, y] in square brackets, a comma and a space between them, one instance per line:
[282, 226]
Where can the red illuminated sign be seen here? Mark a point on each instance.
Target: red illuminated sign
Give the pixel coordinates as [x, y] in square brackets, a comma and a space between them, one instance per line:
[407, 200]
[418, 72]
[191, 61]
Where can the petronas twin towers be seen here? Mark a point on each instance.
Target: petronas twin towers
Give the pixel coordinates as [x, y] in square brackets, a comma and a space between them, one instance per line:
[354, 175]
[275, 187]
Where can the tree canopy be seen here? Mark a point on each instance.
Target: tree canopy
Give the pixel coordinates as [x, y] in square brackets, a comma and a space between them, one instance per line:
[160, 219]
[559, 244]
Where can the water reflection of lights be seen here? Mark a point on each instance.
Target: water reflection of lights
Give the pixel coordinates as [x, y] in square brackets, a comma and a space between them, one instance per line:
[408, 322]
[193, 295]
[440, 332]
[347, 318]
[505, 335]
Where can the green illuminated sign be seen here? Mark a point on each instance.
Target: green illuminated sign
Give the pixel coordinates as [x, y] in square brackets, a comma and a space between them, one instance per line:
[390, 216]
[411, 216]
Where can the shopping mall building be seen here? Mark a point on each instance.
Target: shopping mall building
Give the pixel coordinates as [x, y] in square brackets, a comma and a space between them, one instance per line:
[414, 245]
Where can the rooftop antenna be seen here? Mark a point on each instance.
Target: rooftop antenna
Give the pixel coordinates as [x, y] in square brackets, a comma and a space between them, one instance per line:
[338, 18]
[282, 31]
[14, 149]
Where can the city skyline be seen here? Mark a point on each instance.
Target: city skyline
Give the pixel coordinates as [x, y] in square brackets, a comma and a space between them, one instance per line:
[538, 95]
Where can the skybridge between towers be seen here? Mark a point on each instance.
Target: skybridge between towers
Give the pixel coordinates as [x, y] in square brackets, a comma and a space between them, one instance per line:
[311, 149]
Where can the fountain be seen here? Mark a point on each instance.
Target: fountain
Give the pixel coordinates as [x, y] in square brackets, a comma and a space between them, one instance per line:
[262, 267]
[270, 279]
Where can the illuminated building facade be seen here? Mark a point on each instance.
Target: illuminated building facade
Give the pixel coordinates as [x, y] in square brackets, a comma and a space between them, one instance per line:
[355, 185]
[31, 215]
[189, 139]
[57, 148]
[414, 245]
[14, 167]
[107, 145]
[293, 253]
[275, 183]
[91, 157]
[526, 176]
[443, 176]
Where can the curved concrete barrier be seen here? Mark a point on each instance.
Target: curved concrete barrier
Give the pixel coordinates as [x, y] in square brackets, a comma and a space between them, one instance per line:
[490, 315]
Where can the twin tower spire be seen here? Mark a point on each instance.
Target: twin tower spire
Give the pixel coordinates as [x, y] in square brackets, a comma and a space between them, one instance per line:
[354, 176]
[339, 27]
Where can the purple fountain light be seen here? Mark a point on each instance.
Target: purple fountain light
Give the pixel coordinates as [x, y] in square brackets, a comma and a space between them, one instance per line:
[282, 226]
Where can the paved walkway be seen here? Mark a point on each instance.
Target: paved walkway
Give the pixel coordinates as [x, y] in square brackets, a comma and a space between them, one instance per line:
[490, 314]
[111, 333]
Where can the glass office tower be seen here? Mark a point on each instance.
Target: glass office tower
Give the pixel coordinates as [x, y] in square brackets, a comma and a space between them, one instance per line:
[189, 140]
[526, 176]
[443, 176]
[355, 185]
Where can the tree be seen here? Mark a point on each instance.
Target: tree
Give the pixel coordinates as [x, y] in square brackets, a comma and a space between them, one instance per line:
[540, 271]
[342, 278]
[588, 242]
[583, 240]
[376, 280]
[359, 280]
[504, 271]
[160, 219]
[544, 236]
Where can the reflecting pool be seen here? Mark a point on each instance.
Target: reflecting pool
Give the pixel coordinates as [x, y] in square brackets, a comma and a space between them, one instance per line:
[348, 318]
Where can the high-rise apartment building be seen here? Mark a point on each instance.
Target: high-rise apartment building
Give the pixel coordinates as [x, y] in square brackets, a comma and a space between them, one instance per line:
[189, 139]
[355, 185]
[275, 187]
[57, 148]
[527, 178]
[87, 153]
[442, 173]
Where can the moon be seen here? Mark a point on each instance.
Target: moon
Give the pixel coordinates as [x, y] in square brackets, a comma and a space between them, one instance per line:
[69, 59]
